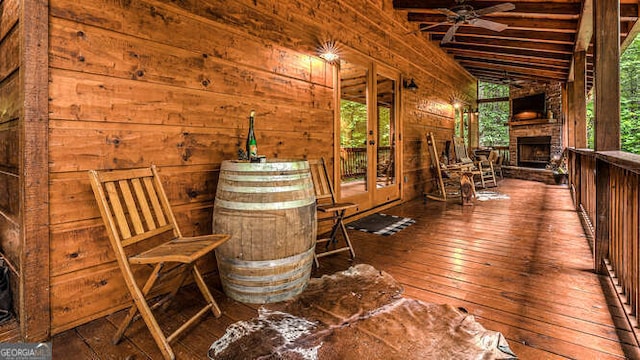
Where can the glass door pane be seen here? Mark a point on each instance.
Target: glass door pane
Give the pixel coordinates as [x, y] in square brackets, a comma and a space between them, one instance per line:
[385, 124]
[353, 129]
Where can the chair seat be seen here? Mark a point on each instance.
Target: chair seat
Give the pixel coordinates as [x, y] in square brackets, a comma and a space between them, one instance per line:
[336, 207]
[183, 250]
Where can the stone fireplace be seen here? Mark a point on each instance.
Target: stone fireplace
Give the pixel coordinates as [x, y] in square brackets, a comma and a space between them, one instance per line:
[532, 142]
[534, 151]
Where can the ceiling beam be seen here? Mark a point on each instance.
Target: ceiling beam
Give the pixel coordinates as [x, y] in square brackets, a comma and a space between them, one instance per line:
[633, 32]
[514, 34]
[510, 51]
[481, 71]
[509, 57]
[520, 62]
[514, 23]
[585, 27]
[533, 7]
[514, 44]
[559, 75]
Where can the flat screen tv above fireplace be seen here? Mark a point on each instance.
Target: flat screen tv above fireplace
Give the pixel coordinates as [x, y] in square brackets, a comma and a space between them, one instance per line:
[529, 107]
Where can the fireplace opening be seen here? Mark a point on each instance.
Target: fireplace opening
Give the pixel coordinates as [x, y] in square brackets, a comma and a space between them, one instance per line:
[534, 151]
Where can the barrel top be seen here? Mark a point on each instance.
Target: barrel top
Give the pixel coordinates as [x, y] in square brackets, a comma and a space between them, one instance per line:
[270, 165]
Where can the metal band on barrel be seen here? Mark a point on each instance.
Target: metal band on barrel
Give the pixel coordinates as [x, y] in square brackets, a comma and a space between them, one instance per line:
[264, 189]
[282, 205]
[265, 177]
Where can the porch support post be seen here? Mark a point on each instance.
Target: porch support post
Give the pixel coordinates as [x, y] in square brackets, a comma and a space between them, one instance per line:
[571, 116]
[34, 307]
[606, 17]
[474, 141]
[580, 98]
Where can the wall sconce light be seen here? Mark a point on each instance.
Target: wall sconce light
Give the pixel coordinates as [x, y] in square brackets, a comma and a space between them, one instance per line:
[410, 85]
[329, 51]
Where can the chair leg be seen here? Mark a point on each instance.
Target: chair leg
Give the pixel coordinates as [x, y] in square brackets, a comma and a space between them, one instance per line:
[204, 289]
[346, 238]
[141, 305]
[334, 229]
[134, 309]
[333, 238]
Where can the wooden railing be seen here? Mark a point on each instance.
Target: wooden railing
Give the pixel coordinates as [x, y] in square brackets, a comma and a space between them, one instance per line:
[353, 160]
[504, 152]
[582, 178]
[606, 188]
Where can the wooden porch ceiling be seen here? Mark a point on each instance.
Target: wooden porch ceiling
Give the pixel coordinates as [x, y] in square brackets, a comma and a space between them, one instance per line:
[538, 43]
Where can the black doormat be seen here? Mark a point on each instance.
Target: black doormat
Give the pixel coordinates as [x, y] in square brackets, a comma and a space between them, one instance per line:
[381, 224]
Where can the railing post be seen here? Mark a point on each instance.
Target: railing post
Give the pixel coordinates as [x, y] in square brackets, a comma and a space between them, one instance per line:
[577, 180]
[603, 200]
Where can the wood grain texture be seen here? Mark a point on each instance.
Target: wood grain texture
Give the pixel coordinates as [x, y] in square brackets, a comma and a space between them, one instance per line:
[501, 260]
[172, 83]
[607, 75]
[10, 14]
[9, 53]
[35, 317]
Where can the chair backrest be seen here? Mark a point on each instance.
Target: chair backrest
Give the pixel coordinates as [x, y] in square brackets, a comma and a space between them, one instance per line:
[321, 181]
[133, 205]
[460, 149]
[493, 156]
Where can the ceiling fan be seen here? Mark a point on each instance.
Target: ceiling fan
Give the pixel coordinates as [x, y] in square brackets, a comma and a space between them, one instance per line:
[507, 80]
[463, 13]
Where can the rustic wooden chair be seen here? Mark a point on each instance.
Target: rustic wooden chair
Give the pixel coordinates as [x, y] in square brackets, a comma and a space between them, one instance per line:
[143, 231]
[464, 162]
[487, 173]
[497, 160]
[460, 151]
[326, 203]
[447, 177]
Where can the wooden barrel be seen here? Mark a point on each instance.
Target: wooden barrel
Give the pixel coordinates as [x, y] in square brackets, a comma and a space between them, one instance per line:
[269, 209]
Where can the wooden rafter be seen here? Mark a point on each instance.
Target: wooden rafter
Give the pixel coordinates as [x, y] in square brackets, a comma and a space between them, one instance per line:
[538, 44]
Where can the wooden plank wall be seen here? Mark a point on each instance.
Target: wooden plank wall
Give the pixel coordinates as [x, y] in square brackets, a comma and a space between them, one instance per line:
[172, 83]
[11, 112]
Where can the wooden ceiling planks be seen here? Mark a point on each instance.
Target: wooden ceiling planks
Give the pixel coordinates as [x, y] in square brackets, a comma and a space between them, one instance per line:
[538, 44]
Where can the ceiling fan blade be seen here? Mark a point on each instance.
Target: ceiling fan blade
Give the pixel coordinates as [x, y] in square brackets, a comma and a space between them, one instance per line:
[449, 35]
[427, 27]
[447, 12]
[491, 25]
[496, 8]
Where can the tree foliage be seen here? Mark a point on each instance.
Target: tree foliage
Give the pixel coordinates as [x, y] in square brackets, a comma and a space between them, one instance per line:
[493, 115]
[353, 124]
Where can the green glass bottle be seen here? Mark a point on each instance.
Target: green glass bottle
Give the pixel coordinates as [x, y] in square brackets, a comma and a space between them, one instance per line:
[252, 145]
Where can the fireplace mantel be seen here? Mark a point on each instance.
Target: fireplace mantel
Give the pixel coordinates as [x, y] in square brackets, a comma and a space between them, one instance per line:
[531, 122]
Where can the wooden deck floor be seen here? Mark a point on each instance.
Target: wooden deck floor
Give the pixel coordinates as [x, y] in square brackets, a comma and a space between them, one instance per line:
[522, 266]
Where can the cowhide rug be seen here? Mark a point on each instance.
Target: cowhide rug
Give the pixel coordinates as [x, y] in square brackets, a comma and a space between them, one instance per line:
[359, 314]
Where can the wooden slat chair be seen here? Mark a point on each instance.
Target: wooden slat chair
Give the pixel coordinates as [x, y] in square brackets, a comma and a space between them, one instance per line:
[464, 161]
[326, 203]
[487, 173]
[137, 215]
[496, 159]
[447, 177]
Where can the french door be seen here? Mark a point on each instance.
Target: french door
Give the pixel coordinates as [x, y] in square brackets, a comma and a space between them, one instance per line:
[368, 133]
